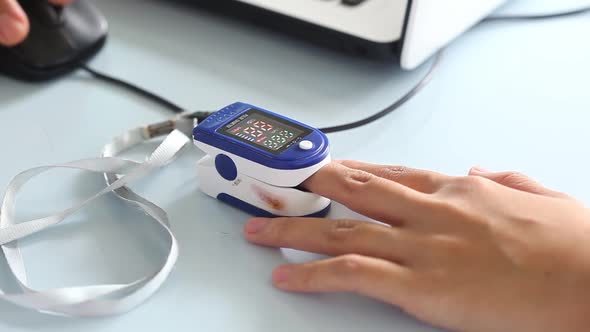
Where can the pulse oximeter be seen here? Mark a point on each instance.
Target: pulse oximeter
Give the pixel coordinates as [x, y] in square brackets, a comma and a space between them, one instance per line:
[256, 160]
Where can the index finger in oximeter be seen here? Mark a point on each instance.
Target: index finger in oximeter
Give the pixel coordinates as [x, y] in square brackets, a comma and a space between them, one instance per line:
[256, 159]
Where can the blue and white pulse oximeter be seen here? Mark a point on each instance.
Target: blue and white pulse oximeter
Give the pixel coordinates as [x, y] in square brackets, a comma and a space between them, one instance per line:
[256, 159]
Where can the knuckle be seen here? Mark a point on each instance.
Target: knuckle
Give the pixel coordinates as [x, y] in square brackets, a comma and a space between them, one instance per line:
[454, 210]
[514, 178]
[349, 265]
[344, 268]
[392, 172]
[306, 279]
[341, 230]
[473, 182]
[280, 228]
[442, 206]
[354, 181]
[515, 175]
[467, 184]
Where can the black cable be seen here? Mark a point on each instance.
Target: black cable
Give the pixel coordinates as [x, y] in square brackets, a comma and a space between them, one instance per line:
[527, 17]
[436, 63]
[133, 88]
[397, 104]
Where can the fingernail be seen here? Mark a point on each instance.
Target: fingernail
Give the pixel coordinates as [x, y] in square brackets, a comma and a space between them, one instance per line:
[282, 274]
[12, 28]
[256, 225]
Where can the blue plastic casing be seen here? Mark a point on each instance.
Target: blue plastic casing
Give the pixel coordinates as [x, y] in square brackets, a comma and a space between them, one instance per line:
[291, 158]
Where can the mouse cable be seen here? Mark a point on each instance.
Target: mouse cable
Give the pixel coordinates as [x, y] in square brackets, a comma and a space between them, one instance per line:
[396, 105]
[133, 88]
[199, 115]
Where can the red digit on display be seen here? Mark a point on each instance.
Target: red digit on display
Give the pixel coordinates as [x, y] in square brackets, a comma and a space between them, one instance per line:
[252, 132]
[264, 126]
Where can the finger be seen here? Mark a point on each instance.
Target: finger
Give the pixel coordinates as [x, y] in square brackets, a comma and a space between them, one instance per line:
[330, 237]
[372, 277]
[421, 180]
[60, 2]
[367, 194]
[516, 181]
[14, 25]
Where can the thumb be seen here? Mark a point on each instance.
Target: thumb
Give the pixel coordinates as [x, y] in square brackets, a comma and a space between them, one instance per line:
[515, 180]
[14, 25]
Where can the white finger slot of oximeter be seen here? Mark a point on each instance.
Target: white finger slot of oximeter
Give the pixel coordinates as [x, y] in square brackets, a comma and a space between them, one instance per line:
[255, 160]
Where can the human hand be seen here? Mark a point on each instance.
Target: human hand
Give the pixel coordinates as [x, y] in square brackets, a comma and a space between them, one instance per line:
[488, 252]
[14, 24]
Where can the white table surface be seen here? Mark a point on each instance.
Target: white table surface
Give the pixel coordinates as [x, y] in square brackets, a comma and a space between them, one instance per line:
[508, 96]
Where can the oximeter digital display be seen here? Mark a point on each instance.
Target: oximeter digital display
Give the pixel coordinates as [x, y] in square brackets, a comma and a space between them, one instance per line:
[265, 131]
[255, 160]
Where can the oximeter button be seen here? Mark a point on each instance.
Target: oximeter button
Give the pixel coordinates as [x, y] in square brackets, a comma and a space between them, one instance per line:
[305, 145]
[226, 167]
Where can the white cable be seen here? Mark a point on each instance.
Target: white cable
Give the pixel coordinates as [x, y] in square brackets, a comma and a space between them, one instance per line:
[97, 300]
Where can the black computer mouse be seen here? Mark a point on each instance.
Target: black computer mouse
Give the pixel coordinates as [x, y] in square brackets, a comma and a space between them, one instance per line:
[60, 39]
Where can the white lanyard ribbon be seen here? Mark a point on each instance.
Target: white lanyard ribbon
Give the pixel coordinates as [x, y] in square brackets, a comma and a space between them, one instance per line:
[97, 300]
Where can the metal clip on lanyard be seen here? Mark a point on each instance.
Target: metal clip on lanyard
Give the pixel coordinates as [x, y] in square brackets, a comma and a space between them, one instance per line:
[109, 299]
